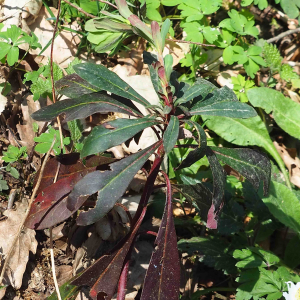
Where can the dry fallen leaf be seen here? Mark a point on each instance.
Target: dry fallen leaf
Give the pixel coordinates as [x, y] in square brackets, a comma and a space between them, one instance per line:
[293, 164]
[20, 11]
[26, 242]
[65, 45]
[26, 131]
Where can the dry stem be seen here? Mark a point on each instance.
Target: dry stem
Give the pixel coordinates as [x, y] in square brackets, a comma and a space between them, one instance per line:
[51, 71]
[283, 34]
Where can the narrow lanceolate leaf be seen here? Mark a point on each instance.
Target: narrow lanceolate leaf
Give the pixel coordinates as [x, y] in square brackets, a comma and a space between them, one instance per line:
[223, 102]
[171, 134]
[219, 180]
[82, 107]
[110, 185]
[74, 86]
[50, 206]
[283, 205]
[114, 133]
[253, 165]
[286, 112]
[201, 88]
[107, 80]
[199, 152]
[162, 280]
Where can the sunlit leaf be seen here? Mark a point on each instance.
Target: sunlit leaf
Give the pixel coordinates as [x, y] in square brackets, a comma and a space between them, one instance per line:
[114, 133]
[110, 185]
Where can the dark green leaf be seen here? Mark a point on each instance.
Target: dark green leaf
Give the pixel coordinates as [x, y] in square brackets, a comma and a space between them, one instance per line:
[253, 165]
[198, 153]
[231, 218]
[113, 133]
[214, 252]
[219, 180]
[254, 203]
[222, 102]
[107, 80]
[110, 185]
[82, 107]
[74, 86]
[200, 88]
[198, 194]
[171, 134]
[291, 254]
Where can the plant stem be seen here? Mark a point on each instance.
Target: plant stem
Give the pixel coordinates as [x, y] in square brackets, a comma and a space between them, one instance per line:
[51, 71]
[123, 281]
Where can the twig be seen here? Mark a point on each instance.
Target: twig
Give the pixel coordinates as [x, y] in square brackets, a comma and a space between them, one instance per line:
[53, 265]
[61, 143]
[283, 34]
[51, 71]
[80, 9]
[108, 3]
[11, 198]
[9, 253]
[189, 42]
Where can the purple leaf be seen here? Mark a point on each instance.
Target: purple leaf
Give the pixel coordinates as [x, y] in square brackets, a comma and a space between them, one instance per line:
[50, 206]
[140, 28]
[156, 36]
[123, 8]
[163, 275]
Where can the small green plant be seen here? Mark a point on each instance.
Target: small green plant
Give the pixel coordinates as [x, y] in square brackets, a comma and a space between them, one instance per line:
[241, 86]
[11, 39]
[3, 184]
[12, 155]
[45, 140]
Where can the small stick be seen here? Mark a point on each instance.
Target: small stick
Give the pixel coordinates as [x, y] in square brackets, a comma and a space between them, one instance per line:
[61, 143]
[189, 42]
[11, 198]
[9, 253]
[80, 9]
[53, 265]
[51, 71]
[283, 34]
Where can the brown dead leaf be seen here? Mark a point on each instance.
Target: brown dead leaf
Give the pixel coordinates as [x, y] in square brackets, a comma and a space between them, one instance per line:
[63, 274]
[26, 129]
[292, 163]
[26, 242]
[294, 96]
[65, 45]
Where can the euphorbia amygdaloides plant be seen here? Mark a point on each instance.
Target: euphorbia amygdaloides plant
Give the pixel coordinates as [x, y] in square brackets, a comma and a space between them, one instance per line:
[171, 119]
